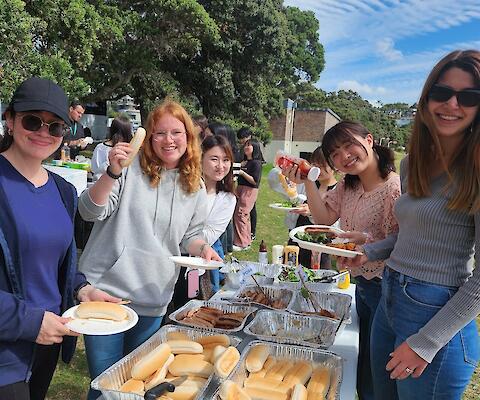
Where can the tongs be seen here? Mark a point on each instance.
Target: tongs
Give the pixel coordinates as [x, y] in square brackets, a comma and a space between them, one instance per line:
[157, 391]
[331, 278]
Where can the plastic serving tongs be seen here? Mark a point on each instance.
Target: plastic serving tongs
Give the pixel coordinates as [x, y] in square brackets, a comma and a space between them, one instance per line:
[157, 391]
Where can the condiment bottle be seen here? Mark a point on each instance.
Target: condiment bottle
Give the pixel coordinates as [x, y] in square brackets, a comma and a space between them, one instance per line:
[277, 254]
[344, 281]
[290, 255]
[65, 152]
[315, 260]
[283, 160]
[262, 253]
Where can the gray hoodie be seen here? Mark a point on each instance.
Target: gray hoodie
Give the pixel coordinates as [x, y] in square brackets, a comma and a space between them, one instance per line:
[136, 232]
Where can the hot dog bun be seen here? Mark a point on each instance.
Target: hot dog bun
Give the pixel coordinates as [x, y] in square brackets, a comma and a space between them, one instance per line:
[229, 390]
[319, 383]
[159, 375]
[135, 145]
[262, 394]
[184, 392]
[217, 352]
[299, 392]
[227, 362]
[256, 358]
[190, 364]
[185, 347]
[133, 386]
[214, 340]
[177, 335]
[101, 310]
[151, 362]
[299, 373]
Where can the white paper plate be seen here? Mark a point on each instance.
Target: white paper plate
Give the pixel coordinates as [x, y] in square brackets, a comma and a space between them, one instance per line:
[195, 262]
[100, 327]
[322, 247]
[278, 206]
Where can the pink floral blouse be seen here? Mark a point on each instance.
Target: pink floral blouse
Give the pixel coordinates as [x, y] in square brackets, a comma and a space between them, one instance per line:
[370, 212]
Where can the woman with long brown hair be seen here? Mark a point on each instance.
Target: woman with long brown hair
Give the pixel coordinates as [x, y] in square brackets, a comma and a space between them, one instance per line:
[424, 338]
[144, 214]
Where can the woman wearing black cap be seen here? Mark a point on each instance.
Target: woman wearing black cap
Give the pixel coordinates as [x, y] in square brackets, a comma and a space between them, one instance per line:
[38, 276]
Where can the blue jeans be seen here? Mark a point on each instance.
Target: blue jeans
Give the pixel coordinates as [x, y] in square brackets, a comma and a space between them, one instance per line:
[367, 296]
[407, 304]
[104, 351]
[215, 274]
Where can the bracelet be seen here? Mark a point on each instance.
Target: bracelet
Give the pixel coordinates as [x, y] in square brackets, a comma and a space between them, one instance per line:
[78, 288]
[112, 175]
[202, 247]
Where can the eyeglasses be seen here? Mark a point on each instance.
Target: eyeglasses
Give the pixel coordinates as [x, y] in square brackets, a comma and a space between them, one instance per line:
[465, 98]
[34, 123]
[163, 135]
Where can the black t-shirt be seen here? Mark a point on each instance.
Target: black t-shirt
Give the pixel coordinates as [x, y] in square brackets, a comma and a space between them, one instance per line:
[76, 132]
[254, 169]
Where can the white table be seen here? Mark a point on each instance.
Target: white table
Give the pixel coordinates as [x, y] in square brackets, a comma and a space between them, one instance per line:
[77, 177]
[346, 345]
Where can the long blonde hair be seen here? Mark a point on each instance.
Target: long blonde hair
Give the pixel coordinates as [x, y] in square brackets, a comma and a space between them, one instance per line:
[424, 147]
[189, 165]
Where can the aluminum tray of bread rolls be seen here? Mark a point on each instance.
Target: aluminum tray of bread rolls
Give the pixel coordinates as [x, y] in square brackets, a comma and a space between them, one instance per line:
[284, 327]
[111, 380]
[268, 296]
[325, 304]
[274, 371]
[213, 315]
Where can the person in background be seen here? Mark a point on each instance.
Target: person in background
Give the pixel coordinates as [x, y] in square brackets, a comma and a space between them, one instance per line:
[363, 201]
[38, 275]
[74, 139]
[326, 181]
[227, 132]
[217, 160]
[247, 192]
[144, 214]
[425, 342]
[201, 125]
[120, 131]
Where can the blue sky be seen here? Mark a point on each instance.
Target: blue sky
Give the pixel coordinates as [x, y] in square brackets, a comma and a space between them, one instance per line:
[384, 50]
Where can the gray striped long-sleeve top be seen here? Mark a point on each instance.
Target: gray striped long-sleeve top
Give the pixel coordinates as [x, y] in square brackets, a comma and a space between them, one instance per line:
[436, 245]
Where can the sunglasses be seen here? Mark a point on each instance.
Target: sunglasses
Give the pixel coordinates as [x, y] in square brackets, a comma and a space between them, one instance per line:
[33, 123]
[465, 98]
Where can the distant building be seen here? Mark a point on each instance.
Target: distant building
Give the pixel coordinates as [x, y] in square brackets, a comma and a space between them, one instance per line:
[309, 126]
[127, 105]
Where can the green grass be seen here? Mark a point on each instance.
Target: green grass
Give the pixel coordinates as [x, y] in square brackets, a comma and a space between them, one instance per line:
[71, 382]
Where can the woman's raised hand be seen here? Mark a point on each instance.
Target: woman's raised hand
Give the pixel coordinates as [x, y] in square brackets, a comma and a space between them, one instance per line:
[293, 173]
[118, 153]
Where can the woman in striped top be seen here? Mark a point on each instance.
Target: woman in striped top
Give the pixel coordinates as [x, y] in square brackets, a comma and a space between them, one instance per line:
[424, 341]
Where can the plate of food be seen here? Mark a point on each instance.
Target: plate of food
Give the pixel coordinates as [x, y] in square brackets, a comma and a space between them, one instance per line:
[195, 262]
[286, 206]
[100, 318]
[323, 238]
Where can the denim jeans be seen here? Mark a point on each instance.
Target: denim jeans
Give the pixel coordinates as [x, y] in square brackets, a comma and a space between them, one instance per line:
[104, 351]
[407, 304]
[367, 296]
[215, 274]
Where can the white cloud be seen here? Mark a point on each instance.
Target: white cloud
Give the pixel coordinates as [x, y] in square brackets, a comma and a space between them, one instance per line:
[363, 89]
[386, 49]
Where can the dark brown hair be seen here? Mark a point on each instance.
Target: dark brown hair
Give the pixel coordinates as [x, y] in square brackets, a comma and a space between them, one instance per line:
[227, 183]
[425, 148]
[343, 133]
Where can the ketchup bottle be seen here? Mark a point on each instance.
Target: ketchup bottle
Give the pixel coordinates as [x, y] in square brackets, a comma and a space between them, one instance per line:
[283, 160]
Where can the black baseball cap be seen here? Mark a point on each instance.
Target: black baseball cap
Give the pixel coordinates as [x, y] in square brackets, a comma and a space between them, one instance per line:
[38, 94]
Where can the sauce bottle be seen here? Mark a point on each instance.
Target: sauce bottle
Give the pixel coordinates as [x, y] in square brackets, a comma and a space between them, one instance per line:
[65, 152]
[344, 281]
[283, 160]
[290, 255]
[262, 253]
[277, 254]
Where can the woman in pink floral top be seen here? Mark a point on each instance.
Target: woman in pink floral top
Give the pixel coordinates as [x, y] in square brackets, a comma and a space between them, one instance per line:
[363, 201]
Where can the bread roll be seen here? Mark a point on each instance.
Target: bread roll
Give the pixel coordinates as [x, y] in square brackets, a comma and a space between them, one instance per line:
[279, 369]
[135, 145]
[227, 362]
[231, 391]
[299, 392]
[101, 310]
[185, 347]
[184, 392]
[299, 373]
[256, 358]
[217, 352]
[208, 354]
[133, 386]
[177, 335]
[190, 364]
[266, 384]
[268, 364]
[262, 394]
[151, 362]
[214, 340]
[159, 375]
[319, 383]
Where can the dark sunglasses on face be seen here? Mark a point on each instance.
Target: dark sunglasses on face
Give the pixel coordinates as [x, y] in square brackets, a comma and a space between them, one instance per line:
[33, 123]
[465, 98]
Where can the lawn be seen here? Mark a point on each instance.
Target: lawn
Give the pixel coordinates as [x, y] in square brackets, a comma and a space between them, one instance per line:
[71, 382]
